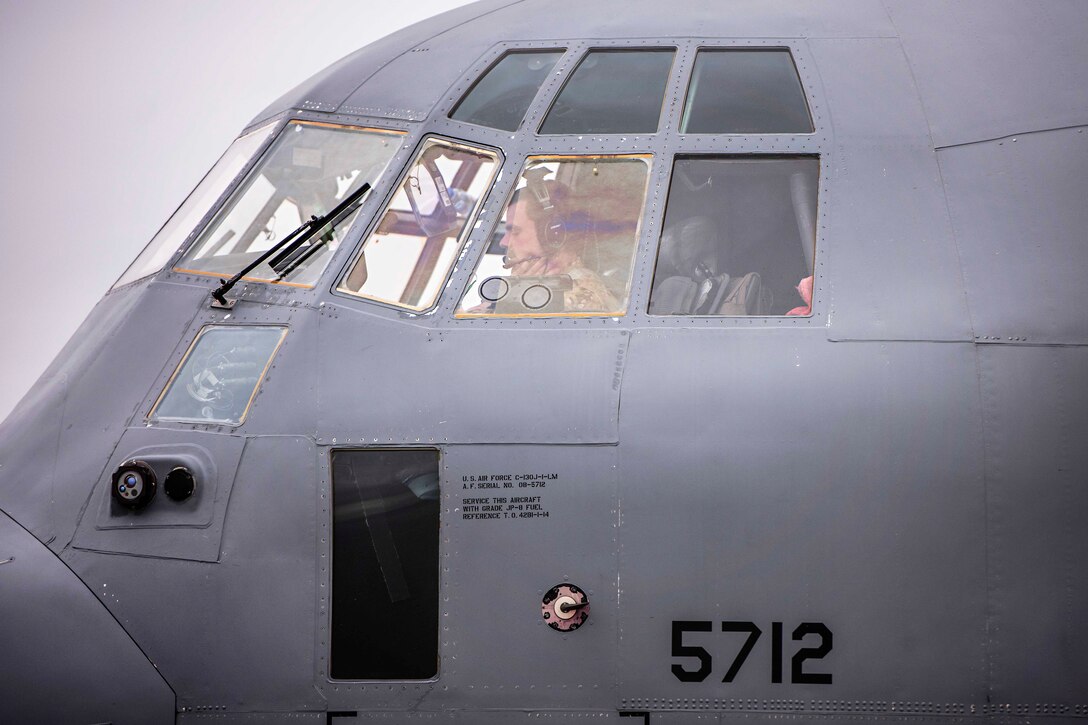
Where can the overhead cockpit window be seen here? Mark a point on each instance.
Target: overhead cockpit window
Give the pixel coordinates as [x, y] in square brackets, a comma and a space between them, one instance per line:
[745, 91]
[503, 94]
[384, 564]
[566, 242]
[174, 233]
[219, 377]
[306, 172]
[612, 91]
[406, 258]
[739, 237]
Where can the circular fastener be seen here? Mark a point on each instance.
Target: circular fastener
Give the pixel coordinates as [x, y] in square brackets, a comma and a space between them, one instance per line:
[134, 484]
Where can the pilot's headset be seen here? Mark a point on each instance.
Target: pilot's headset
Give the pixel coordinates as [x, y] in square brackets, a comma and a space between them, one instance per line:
[552, 220]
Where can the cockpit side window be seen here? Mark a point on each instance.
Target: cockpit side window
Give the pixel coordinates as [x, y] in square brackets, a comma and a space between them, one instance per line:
[174, 233]
[503, 94]
[219, 376]
[566, 242]
[745, 91]
[612, 91]
[738, 238]
[306, 172]
[405, 260]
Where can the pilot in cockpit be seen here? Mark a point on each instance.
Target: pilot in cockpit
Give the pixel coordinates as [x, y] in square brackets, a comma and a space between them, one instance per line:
[545, 239]
[693, 276]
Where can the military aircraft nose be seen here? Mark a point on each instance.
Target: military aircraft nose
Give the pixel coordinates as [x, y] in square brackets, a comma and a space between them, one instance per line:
[63, 657]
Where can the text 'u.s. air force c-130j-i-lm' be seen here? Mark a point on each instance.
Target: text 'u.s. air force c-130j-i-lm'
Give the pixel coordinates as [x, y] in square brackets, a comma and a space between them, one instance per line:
[672, 363]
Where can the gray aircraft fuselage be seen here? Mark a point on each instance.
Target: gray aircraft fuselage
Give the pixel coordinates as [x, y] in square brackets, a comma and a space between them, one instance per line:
[874, 511]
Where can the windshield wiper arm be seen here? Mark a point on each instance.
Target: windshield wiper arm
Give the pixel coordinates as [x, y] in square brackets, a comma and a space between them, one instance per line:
[284, 251]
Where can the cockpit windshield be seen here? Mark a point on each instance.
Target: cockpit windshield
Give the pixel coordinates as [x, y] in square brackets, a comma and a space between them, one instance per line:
[408, 255]
[306, 172]
[567, 240]
[184, 221]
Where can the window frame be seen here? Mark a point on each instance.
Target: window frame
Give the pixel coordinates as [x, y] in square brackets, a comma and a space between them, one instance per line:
[685, 96]
[667, 143]
[582, 55]
[752, 157]
[325, 575]
[492, 64]
[651, 162]
[464, 239]
[150, 418]
[221, 208]
[274, 127]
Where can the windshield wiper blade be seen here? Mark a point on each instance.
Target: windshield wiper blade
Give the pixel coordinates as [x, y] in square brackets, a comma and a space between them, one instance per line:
[286, 252]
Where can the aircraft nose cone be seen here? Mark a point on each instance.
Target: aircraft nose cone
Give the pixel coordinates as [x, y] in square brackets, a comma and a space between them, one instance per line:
[63, 656]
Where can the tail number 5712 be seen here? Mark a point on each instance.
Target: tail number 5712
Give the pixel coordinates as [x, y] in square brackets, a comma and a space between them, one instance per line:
[798, 674]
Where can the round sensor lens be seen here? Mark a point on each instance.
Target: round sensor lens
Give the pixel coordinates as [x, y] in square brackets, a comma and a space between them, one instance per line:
[134, 484]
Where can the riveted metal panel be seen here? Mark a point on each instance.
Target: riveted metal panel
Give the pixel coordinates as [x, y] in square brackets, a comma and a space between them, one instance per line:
[118, 349]
[407, 86]
[1035, 405]
[1019, 216]
[844, 488]
[175, 530]
[65, 658]
[240, 630]
[398, 383]
[539, 19]
[685, 718]
[368, 80]
[989, 68]
[222, 716]
[498, 559]
[513, 562]
[327, 90]
[893, 271]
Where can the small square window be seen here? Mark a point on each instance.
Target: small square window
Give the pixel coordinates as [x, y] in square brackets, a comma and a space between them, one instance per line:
[219, 377]
[745, 91]
[500, 98]
[612, 91]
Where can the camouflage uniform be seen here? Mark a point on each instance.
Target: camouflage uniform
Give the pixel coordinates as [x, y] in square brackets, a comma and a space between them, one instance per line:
[589, 293]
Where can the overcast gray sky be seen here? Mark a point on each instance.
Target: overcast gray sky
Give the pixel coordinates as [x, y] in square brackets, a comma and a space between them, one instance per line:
[112, 112]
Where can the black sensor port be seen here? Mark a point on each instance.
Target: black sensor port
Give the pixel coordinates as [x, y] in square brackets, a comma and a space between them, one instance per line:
[134, 484]
[179, 484]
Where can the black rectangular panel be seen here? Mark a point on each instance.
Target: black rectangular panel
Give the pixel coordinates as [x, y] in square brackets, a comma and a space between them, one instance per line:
[385, 565]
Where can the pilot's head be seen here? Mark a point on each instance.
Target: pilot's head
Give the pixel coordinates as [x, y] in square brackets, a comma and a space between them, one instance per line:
[541, 237]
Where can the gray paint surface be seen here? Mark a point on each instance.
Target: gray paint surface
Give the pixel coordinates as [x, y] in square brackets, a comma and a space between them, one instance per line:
[961, 53]
[891, 466]
[56, 638]
[1017, 205]
[1033, 399]
[895, 274]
